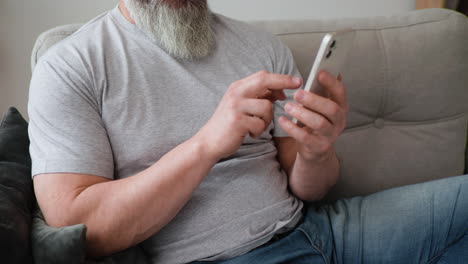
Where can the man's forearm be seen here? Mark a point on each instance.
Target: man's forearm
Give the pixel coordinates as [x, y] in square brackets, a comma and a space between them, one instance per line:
[124, 212]
[311, 180]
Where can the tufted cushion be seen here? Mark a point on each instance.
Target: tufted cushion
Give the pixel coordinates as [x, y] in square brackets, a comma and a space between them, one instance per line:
[50, 38]
[407, 88]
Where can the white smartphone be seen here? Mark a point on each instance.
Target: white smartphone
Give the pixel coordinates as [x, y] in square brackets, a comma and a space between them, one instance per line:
[331, 57]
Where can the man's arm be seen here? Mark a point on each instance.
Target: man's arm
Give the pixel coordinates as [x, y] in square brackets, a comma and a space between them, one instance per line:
[124, 212]
[308, 156]
[308, 180]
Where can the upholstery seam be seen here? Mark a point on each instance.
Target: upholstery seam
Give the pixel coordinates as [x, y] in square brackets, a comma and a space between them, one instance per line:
[368, 29]
[408, 123]
[384, 68]
[42, 39]
[39, 46]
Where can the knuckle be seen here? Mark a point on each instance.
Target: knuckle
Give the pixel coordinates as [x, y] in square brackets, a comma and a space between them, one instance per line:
[268, 121]
[307, 139]
[269, 117]
[335, 109]
[259, 127]
[321, 123]
[232, 89]
[234, 104]
[261, 78]
[267, 106]
[236, 117]
[309, 96]
[301, 113]
[260, 124]
[234, 85]
[325, 146]
[309, 99]
[301, 134]
[262, 73]
[257, 81]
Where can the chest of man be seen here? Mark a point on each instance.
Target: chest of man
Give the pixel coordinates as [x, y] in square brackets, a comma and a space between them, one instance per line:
[151, 103]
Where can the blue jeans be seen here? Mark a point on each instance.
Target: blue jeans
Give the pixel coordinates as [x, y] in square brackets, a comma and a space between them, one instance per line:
[422, 223]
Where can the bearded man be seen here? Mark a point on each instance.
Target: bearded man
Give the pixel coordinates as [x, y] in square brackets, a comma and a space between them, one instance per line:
[162, 124]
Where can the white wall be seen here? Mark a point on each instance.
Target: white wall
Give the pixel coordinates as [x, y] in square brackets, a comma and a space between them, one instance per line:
[301, 9]
[21, 21]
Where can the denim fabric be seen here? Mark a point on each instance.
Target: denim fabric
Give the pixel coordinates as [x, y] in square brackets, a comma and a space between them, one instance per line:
[421, 223]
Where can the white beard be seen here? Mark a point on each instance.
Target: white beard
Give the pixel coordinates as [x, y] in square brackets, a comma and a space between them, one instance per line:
[184, 32]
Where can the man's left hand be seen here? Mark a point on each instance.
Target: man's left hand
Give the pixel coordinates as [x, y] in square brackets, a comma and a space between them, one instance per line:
[323, 119]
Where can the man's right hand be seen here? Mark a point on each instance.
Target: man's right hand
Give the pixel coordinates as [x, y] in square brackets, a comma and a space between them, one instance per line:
[246, 108]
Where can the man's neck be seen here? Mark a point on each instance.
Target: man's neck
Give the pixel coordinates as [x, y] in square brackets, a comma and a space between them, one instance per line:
[124, 11]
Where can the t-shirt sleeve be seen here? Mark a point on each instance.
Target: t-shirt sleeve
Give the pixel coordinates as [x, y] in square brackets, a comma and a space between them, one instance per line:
[283, 63]
[65, 126]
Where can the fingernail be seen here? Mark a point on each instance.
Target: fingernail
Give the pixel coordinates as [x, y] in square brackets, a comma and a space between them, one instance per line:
[297, 80]
[288, 107]
[300, 95]
[283, 120]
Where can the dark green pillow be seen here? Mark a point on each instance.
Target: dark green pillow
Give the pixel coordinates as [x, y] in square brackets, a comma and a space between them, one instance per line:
[67, 245]
[57, 245]
[16, 189]
[49, 245]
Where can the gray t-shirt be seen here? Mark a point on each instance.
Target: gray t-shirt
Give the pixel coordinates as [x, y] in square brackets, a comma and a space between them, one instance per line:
[107, 101]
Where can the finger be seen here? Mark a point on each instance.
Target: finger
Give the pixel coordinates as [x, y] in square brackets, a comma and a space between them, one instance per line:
[262, 108]
[326, 107]
[254, 125]
[302, 135]
[317, 123]
[258, 84]
[334, 87]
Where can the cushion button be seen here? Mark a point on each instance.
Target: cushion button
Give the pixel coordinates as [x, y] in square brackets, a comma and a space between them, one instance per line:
[379, 123]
